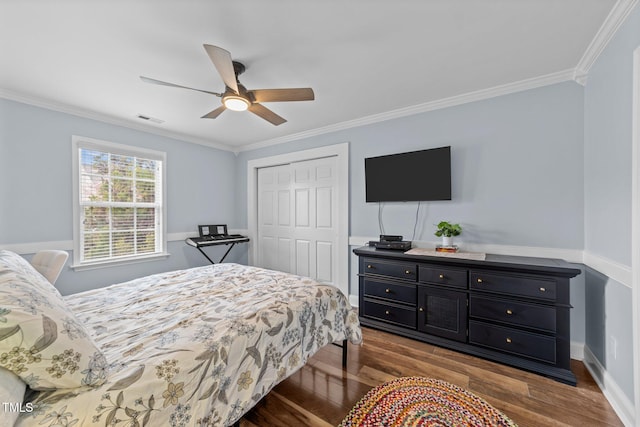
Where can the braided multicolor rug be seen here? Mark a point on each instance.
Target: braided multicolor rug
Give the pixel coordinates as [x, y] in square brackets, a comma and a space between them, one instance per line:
[417, 401]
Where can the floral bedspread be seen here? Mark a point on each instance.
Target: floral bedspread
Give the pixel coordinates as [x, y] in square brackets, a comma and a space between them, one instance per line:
[196, 347]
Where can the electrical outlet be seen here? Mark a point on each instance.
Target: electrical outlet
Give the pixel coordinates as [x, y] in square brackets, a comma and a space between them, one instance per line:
[613, 347]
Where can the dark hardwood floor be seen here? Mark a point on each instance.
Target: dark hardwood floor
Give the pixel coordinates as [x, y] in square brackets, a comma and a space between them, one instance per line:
[322, 393]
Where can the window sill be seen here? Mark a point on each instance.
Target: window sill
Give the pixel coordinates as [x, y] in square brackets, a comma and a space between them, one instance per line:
[120, 261]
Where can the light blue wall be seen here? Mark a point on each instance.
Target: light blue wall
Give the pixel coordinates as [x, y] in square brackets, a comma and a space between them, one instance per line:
[517, 168]
[608, 178]
[608, 318]
[548, 167]
[36, 199]
[607, 114]
[517, 174]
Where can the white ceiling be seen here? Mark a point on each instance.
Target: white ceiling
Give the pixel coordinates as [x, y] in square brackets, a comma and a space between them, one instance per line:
[365, 59]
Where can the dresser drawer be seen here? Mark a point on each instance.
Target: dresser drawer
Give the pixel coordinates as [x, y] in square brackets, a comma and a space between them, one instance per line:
[515, 313]
[390, 269]
[443, 276]
[525, 286]
[391, 291]
[509, 340]
[390, 313]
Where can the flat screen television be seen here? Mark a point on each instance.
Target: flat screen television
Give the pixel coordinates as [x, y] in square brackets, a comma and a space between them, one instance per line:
[409, 177]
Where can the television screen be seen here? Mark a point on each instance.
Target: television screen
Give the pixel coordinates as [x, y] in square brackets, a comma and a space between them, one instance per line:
[409, 177]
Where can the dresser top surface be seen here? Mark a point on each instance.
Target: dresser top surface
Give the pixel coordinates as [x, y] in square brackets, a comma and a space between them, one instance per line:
[503, 262]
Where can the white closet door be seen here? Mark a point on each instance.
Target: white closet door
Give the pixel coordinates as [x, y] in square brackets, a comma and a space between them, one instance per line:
[275, 230]
[297, 218]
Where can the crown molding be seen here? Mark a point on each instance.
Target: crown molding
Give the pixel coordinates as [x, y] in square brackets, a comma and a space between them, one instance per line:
[93, 115]
[579, 74]
[479, 95]
[615, 18]
[609, 27]
[619, 12]
[580, 77]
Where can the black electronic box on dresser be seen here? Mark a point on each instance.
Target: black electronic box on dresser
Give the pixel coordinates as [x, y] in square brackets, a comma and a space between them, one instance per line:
[509, 309]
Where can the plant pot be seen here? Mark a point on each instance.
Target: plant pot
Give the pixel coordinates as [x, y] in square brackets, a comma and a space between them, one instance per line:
[447, 241]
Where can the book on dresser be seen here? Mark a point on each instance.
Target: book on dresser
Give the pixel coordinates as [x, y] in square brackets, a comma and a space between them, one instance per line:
[509, 309]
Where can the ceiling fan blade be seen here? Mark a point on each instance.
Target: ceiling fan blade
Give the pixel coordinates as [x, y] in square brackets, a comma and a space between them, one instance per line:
[223, 63]
[267, 114]
[281, 95]
[215, 113]
[161, 83]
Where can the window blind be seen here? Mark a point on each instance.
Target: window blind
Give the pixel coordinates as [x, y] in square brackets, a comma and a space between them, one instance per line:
[120, 202]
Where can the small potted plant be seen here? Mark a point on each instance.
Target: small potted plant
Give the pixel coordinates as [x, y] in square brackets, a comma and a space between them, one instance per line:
[446, 230]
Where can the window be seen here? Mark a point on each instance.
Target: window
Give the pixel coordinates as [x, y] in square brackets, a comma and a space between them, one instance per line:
[119, 203]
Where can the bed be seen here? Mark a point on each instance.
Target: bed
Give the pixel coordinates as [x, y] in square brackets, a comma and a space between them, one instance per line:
[191, 347]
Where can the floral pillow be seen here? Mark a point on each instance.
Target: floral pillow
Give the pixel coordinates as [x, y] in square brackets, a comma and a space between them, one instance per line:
[41, 340]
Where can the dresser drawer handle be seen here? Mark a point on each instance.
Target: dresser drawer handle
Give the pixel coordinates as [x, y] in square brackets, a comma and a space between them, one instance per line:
[441, 276]
[387, 312]
[479, 280]
[508, 340]
[543, 289]
[407, 272]
[421, 309]
[509, 312]
[369, 266]
[387, 290]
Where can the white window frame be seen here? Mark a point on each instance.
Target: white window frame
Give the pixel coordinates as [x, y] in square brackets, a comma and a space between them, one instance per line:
[80, 142]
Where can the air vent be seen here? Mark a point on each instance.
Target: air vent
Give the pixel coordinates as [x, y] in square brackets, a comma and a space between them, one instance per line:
[149, 119]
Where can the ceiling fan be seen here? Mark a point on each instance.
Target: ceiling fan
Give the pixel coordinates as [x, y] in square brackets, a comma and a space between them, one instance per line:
[235, 96]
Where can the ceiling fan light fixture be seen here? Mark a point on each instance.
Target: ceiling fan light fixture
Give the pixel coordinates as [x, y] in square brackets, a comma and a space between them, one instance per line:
[235, 103]
[236, 97]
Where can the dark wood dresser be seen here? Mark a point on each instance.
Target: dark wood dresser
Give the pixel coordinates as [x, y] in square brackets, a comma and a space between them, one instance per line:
[509, 309]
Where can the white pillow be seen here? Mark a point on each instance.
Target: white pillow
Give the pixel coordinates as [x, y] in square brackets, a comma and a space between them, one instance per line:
[12, 390]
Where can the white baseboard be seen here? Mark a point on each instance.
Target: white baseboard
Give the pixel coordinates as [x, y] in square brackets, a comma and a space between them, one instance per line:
[577, 350]
[353, 300]
[619, 272]
[615, 270]
[67, 245]
[617, 398]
